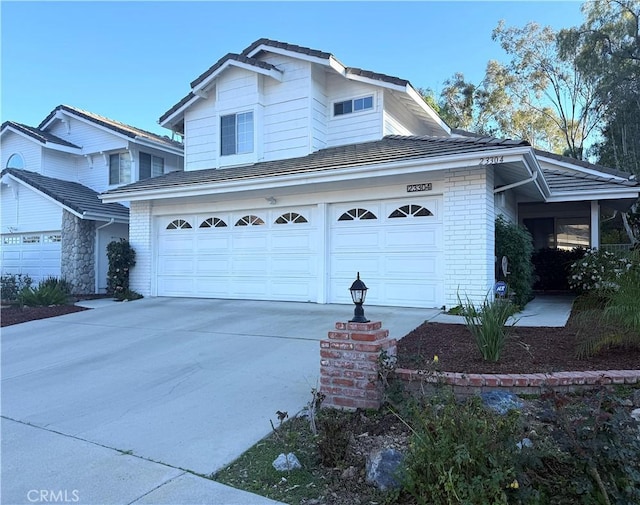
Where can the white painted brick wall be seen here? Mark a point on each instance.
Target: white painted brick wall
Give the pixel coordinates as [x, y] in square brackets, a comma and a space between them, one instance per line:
[140, 234]
[469, 242]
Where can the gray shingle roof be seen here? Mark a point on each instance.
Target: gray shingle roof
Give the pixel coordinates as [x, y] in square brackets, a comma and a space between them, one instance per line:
[116, 126]
[73, 195]
[235, 57]
[561, 181]
[38, 134]
[389, 149]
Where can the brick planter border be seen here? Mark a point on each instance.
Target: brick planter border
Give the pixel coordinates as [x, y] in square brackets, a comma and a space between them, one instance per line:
[533, 383]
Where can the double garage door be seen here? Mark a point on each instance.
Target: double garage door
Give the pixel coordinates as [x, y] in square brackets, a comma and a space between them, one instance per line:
[306, 253]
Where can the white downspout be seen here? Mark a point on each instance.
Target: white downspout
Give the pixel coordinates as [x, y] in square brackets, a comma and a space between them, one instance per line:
[595, 224]
[516, 184]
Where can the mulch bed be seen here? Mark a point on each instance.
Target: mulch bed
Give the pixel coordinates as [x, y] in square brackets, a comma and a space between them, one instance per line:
[527, 350]
[14, 315]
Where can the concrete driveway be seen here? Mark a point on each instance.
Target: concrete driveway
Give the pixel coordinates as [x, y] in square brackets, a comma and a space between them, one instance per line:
[133, 402]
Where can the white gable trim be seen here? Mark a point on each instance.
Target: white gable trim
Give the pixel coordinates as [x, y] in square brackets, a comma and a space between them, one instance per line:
[273, 73]
[49, 145]
[137, 139]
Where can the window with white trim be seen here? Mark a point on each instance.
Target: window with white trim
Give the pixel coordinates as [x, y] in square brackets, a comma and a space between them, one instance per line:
[15, 161]
[179, 224]
[250, 220]
[354, 105]
[357, 215]
[236, 134]
[150, 166]
[119, 168]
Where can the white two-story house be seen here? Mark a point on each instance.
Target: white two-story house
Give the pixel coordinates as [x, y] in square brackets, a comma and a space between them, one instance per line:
[301, 172]
[52, 221]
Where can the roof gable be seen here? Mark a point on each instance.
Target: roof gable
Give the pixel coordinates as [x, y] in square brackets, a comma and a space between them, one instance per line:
[80, 200]
[43, 137]
[121, 129]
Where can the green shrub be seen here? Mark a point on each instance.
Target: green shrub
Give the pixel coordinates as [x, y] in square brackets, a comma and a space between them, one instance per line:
[12, 284]
[43, 296]
[589, 457]
[598, 271]
[487, 324]
[122, 259]
[552, 267]
[460, 453]
[515, 243]
[64, 285]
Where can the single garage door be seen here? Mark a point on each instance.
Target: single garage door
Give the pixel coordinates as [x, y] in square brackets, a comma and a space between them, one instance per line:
[263, 254]
[395, 245]
[34, 254]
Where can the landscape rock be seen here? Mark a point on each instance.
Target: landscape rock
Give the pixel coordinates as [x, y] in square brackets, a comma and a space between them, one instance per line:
[501, 401]
[636, 397]
[284, 463]
[382, 468]
[636, 414]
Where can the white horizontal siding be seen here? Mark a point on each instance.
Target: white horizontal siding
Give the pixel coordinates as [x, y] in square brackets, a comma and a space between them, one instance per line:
[91, 138]
[30, 151]
[28, 211]
[59, 165]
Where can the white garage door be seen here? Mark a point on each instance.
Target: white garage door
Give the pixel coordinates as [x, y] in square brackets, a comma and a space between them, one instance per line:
[264, 255]
[395, 245]
[33, 254]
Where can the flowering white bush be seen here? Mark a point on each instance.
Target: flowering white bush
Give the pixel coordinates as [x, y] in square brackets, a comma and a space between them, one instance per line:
[598, 270]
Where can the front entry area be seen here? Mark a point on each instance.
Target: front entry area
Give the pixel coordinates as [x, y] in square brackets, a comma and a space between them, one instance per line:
[306, 253]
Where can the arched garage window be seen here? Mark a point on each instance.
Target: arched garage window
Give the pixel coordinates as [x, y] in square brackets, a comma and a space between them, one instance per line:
[15, 161]
[213, 222]
[291, 217]
[411, 210]
[357, 214]
[178, 224]
[249, 221]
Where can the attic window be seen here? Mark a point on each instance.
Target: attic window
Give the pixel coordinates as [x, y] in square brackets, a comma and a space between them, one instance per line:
[15, 161]
[355, 105]
[236, 134]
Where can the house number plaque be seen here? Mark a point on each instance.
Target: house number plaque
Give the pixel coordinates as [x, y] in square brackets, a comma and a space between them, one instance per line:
[412, 188]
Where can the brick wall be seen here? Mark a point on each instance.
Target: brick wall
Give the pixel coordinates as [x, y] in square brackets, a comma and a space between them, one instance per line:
[140, 236]
[469, 242]
[349, 365]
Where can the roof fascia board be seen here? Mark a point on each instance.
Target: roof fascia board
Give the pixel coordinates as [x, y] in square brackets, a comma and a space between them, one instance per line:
[301, 178]
[292, 54]
[144, 142]
[45, 143]
[96, 216]
[578, 168]
[274, 74]
[426, 108]
[128, 138]
[531, 162]
[44, 195]
[603, 194]
[179, 111]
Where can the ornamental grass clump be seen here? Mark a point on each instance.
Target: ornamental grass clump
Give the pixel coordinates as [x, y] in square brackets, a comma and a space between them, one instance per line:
[488, 325]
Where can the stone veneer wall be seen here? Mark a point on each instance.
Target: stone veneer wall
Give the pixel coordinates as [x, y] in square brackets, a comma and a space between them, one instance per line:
[78, 253]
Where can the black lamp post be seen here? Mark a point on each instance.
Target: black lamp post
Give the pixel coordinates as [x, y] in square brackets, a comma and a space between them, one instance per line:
[358, 294]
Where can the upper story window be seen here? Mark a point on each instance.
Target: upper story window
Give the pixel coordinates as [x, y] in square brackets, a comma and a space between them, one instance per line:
[236, 133]
[349, 106]
[119, 168]
[15, 161]
[150, 166]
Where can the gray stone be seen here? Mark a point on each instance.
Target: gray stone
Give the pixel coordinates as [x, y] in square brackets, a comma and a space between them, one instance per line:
[383, 467]
[636, 397]
[636, 414]
[285, 463]
[501, 401]
[525, 442]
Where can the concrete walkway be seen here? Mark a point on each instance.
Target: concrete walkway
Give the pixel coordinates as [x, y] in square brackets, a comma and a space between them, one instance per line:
[134, 402]
[544, 310]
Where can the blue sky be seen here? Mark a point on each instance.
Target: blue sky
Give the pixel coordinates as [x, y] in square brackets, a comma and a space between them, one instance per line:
[131, 61]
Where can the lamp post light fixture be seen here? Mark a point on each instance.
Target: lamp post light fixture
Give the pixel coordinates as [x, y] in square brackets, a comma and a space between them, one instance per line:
[358, 294]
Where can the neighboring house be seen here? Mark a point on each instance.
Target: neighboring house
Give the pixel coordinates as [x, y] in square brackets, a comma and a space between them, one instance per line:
[301, 172]
[52, 221]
